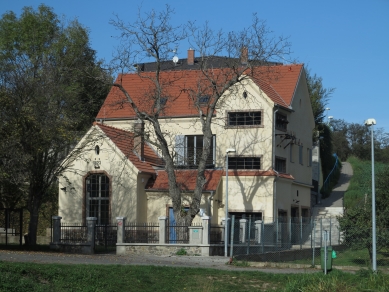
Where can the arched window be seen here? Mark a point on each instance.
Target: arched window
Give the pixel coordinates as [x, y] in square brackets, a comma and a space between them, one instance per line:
[97, 150]
[97, 197]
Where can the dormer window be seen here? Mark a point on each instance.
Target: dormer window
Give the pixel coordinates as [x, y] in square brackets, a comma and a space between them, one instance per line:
[204, 99]
[163, 101]
[281, 122]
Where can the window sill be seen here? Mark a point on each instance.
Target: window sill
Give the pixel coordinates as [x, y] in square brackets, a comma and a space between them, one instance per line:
[244, 127]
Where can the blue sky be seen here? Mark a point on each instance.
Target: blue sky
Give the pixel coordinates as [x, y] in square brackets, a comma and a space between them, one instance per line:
[345, 42]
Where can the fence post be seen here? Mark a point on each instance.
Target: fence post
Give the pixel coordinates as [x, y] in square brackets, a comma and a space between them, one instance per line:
[121, 233]
[301, 232]
[162, 229]
[290, 231]
[224, 228]
[330, 231]
[56, 229]
[91, 226]
[242, 230]
[232, 236]
[258, 230]
[206, 229]
[321, 232]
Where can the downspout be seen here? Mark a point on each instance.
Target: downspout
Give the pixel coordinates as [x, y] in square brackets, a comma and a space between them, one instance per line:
[273, 167]
[209, 203]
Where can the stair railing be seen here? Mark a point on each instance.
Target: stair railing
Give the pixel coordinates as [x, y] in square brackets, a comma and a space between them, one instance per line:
[329, 179]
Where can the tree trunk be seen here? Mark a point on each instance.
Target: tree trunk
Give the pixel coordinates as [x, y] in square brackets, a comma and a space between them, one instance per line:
[182, 234]
[34, 205]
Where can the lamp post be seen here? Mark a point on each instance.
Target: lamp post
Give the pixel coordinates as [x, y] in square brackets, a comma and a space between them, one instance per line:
[370, 123]
[327, 109]
[229, 150]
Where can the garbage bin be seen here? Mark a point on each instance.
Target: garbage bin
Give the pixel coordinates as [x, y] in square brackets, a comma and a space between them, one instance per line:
[329, 258]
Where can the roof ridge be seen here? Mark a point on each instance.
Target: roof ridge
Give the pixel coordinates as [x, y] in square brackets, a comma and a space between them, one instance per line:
[196, 69]
[111, 127]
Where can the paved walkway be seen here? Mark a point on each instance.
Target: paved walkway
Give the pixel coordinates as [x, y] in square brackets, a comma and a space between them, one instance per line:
[214, 262]
[336, 197]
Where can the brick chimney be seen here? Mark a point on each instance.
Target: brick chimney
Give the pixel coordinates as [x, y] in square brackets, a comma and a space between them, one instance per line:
[244, 55]
[191, 56]
[139, 143]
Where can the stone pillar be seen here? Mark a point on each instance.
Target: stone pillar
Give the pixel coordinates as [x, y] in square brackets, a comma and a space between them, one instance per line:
[206, 229]
[258, 231]
[195, 234]
[56, 229]
[91, 226]
[121, 232]
[242, 230]
[162, 229]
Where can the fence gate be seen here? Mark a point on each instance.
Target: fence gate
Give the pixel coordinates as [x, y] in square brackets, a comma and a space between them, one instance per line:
[11, 226]
[105, 238]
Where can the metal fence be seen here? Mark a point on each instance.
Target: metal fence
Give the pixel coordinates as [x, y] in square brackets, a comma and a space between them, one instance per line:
[142, 233]
[178, 233]
[302, 241]
[11, 224]
[217, 234]
[74, 233]
[105, 236]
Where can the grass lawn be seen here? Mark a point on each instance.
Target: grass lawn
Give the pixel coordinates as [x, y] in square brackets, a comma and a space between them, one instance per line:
[56, 277]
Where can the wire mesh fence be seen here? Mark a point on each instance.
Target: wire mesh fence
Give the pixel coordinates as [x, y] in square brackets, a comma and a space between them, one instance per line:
[302, 241]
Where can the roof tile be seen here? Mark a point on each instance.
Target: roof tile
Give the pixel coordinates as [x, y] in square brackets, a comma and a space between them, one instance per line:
[278, 82]
[124, 140]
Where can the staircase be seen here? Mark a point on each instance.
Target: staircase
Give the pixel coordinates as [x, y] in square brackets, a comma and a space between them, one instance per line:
[325, 219]
[325, 214]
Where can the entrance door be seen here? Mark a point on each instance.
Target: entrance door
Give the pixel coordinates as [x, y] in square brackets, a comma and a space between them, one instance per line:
[172, 226]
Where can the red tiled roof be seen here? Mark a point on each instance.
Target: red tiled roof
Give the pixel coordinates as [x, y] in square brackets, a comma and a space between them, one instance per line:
[258, 173]
[278, 82]
[187, 178]
[124, 140]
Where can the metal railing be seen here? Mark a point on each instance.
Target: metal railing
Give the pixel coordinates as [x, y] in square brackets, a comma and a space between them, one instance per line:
[216, 234]
[330, 176]
[142, 233]
[74, 233]
[105, 235]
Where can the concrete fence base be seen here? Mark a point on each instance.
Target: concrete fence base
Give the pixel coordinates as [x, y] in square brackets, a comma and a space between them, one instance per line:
[168, 249]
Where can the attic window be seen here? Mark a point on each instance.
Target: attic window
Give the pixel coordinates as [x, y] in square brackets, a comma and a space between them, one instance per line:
[163, 101]
[244, 119]
[97, 150]
[204, 99]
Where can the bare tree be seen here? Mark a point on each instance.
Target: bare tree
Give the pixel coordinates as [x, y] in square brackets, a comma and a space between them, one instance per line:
[152, 37]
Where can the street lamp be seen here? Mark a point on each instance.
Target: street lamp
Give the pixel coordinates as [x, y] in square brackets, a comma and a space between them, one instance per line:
[329, 119]
[327, 109]
[229, 150]
[371, 123]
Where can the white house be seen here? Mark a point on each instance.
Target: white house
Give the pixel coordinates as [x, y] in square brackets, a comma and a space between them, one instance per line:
[267, 119]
